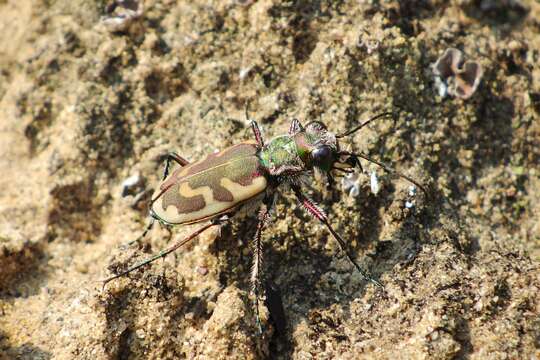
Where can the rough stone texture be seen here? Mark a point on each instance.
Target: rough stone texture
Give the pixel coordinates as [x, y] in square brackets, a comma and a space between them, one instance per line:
[82, 109]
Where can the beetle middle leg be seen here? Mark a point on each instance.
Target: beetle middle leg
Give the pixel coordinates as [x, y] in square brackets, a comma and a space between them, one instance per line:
[314, 210]
[140, 237]
[172, 156]
[254, 127]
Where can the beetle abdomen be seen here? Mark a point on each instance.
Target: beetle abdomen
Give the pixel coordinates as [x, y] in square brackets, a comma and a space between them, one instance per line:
[210, 187]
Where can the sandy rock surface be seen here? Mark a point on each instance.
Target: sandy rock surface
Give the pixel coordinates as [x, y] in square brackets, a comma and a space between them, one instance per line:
[94, 94]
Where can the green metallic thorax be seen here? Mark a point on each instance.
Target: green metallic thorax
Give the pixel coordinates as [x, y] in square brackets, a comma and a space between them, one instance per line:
[280, 151]
[287, 154]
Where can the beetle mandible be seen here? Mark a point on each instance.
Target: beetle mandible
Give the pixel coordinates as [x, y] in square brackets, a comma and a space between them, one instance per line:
[245, 175]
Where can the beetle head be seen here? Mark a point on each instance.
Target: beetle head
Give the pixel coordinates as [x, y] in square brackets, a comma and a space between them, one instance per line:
[319, 149]
[322, 146]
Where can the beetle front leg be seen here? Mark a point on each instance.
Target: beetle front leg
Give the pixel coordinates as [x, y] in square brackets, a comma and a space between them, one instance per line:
[254, 127]
[314, 210]
[256, 273]
[257, 133]
[295, 127]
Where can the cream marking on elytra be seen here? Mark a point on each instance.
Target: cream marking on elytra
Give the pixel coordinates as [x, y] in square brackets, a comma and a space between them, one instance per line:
[212, 207]
[206, 191]
[243, 192]
[173, 217]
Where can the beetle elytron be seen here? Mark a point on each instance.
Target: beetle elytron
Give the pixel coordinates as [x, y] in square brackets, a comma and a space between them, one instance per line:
[245, 175]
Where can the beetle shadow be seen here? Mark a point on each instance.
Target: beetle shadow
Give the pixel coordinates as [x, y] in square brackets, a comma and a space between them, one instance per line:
[303, 281]
[311, 310]
[25, 273]
[118, 311]
[294, 267]
[410, 233]
[25, 351]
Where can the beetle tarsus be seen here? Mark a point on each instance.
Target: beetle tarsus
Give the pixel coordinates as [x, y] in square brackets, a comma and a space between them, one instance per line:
[142, 236]
[314, 210]
[162, 253]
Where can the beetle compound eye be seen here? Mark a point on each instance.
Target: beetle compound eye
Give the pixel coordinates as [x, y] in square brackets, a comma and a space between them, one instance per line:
[323, 157]
[315, 127]
[322, 152]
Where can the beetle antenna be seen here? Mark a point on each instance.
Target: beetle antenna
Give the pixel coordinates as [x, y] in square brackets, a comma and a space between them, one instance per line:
[388, 169]
[352, 131]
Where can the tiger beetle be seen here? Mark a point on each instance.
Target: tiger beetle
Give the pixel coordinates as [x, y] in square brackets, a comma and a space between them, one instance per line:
[245, 177]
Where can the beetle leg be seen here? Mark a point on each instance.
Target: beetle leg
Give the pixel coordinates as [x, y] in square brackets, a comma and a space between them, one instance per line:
[172, 156]
[254, 127]
[148, 228]
[168, 250]
[331, 181]
[257, 133]
[256, 273]
[360, 166]
[176, 158]
[314, 210]
[295, 127]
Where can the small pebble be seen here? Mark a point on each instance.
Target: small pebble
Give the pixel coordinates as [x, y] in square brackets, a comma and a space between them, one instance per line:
[374, 183]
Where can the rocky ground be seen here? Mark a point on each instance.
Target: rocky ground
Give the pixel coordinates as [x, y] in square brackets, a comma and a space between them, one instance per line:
[94, 93]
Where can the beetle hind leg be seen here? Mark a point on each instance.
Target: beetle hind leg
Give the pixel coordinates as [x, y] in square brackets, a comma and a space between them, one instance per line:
[142, 236]
[256, 270]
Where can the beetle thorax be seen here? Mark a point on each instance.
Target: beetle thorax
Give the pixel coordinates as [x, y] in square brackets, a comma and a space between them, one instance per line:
[281, 157]
[309, 148]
